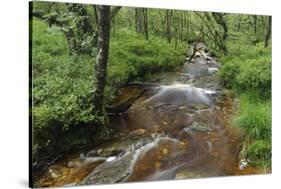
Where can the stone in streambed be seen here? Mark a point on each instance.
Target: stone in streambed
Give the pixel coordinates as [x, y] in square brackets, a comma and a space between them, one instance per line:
[110, 172]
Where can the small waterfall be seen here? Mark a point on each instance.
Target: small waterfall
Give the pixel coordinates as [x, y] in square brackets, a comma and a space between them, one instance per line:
[147, 157]
[165, 174]
[153, 145]
[180, 94]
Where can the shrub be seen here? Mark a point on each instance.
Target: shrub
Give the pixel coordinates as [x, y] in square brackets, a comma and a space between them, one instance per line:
[229, 72]
[255, 74]
[248, 68]
[133, 56]
[47, 40]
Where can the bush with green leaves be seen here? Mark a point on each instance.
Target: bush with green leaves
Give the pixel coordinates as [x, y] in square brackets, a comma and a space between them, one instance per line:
[131, 56]
[248, 67]
[255, 74]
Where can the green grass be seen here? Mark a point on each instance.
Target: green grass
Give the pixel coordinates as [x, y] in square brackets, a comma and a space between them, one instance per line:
[255, 119]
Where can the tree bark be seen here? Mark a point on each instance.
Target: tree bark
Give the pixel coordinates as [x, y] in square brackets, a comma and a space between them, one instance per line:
[138, 22]
[145, 23]
[101, 62]
[268, 31]
[169, 14]
[255, 24]
[71, 41]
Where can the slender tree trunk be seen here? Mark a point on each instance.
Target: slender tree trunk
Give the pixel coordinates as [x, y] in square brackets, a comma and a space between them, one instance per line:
[138, 21]
[169, 14]
[176, 38]
[181, 26]
[268, 31]
[145, 23]
[238, 23]
[97, 23]
[114, 12]
[101, 62]
[141, 22]
[255, 24]
[71, 41]
[221, 21]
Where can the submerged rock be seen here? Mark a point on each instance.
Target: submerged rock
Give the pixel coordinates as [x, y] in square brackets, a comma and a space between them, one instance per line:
[186, 175]
[105, 152]
[202, 127]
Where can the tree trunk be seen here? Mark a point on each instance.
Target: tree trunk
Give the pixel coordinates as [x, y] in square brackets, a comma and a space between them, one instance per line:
[169, 14]
[101, 62]
[141, 22]
[268, 31]
[255, 24]
[238, 23]
[114, 12]
[138, 22]
[145, 23]
[97, 23]
[221, 21]
[71, 41]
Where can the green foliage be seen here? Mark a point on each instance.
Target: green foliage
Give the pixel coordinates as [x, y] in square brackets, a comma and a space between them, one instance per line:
[247, 70]
[256, 74]
[131, 56]
[62, 85]
[255, 120]
[248, 67]
[255, 117]
[61, 93]
[229, 72]
[47, 40]
[260, 153]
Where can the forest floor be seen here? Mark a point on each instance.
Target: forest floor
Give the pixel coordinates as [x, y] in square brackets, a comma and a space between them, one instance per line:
[178, 129]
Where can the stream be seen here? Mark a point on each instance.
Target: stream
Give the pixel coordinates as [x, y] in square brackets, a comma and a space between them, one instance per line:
[178, 128]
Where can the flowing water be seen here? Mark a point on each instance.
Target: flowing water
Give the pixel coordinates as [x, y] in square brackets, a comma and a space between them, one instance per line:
[179, 128]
